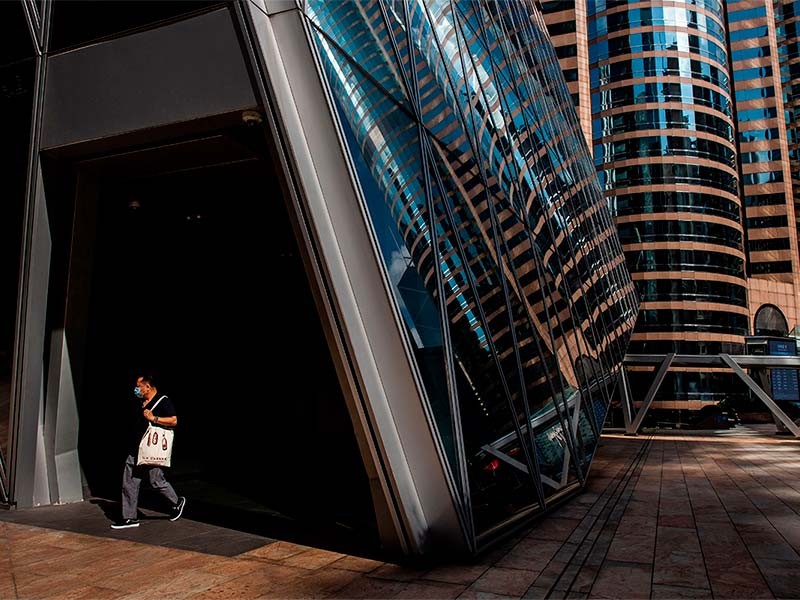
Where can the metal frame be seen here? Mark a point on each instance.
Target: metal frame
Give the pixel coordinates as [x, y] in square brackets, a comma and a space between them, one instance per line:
[737, 364]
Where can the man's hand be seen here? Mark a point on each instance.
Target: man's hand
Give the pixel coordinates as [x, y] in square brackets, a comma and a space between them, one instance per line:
[162, 421]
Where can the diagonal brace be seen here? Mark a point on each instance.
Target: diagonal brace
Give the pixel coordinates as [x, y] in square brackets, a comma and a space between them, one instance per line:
[651, 394]
[762, 395]
[625, 398]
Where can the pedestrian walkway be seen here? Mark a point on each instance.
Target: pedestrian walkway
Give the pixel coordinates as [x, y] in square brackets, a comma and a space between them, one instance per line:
[671, 515]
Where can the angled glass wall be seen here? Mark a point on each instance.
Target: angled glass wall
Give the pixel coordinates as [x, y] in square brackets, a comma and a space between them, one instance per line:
[501, 253]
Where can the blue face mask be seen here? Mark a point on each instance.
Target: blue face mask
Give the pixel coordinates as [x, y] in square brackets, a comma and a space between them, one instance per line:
[138, 392]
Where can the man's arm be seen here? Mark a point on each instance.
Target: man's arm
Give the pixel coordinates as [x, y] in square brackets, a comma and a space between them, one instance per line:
[164, 421]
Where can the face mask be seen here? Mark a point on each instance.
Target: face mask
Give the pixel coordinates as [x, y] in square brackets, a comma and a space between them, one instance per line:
[138, 392]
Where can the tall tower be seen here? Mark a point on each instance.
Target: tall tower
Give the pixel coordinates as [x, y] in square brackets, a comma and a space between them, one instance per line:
[764, 44]
[567, 26]
[665, 150]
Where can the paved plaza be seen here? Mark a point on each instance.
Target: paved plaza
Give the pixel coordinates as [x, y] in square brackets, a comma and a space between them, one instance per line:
[670, 515]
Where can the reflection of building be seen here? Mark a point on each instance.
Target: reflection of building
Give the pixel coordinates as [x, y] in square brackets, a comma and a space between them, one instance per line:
[688, 112]
[465, 268]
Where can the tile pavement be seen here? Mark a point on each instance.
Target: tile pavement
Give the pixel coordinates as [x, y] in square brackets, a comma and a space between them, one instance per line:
[671, 515]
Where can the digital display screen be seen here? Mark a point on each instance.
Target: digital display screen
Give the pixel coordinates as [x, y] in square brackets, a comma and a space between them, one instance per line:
[784, 381]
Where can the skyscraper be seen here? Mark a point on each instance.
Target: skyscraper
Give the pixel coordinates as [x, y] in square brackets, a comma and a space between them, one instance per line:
[692, 139]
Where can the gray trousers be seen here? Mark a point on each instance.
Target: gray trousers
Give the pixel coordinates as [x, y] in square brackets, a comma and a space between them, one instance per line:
[131, 480]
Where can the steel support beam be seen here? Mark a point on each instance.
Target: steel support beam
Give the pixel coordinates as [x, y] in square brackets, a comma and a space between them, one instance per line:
[651, 394]
[762, 395]
[625, 398]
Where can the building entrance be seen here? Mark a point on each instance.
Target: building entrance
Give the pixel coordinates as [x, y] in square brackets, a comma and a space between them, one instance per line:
[197, 276]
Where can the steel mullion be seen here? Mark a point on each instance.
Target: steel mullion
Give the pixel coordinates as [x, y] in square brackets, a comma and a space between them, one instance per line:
[569, 437]
[514, 168]
[573, 169]
[455, 416]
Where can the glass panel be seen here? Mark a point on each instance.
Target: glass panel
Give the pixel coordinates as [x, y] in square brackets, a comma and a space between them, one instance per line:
[523, 240]
[358, 30]
[16, 103]
[385, 148]
[80, 21]
[485, 354]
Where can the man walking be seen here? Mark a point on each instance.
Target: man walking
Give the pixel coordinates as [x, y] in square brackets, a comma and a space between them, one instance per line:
[158, 409]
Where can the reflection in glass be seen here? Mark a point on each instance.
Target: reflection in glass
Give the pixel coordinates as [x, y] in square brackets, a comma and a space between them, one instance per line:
[502, 255]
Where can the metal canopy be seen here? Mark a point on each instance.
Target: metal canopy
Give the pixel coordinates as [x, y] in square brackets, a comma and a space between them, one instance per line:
[737, 364]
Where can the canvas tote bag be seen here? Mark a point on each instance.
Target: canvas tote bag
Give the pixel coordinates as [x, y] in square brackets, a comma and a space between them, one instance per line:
[155, 449]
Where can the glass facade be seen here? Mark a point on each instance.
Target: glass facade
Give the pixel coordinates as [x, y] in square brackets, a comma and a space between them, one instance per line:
[665, 150]
[787, 18]
[499, 248]
[759, 111]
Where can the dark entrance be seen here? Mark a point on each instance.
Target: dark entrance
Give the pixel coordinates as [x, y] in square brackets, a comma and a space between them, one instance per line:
[197, 276]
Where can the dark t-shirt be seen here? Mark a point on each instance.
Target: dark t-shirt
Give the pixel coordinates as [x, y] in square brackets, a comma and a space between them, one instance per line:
[165, 408]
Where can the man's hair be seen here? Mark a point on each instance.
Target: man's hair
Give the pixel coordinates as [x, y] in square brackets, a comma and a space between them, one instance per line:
[148, 378]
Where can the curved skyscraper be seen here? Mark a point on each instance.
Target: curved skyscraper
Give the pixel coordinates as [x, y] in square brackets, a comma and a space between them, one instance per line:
[665, 149]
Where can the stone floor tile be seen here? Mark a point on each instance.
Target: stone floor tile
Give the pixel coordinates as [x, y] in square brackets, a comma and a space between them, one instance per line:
[681, 569]
[470, 594]
[370, 587]
[633, 547]
[734, 592]
[249, 586]
[670, 592]
[584, 580]
[622, 580]
[537, 592]
[276, 551]
[530, 554]
[37, 586]
[465, 574]
[498, 580]
[781, 576]
[430, 589]
[685, 520]
[312, 558]
[356, 563]
[396, 573]
[87, 592]
[322, 582]
[556, 529]
[232, 567]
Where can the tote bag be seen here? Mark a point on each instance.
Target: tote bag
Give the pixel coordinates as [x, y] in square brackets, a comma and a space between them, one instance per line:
[155, 449]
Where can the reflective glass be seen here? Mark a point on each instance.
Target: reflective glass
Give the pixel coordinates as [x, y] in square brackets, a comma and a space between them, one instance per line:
[680, 231]
[391, 176]
[693, 290]
[356, 29]
[674, 201]
[478, 182]
[675, 173]
[693, 321]
[685, 260]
